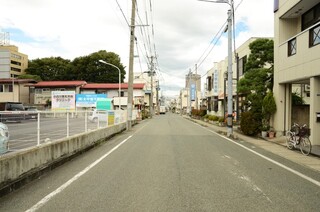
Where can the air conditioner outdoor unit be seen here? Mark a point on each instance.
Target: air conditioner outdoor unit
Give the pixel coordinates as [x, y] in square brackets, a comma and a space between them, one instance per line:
[307, 88]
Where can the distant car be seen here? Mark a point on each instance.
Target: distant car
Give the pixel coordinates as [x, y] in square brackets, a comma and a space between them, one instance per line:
[11, 111]
[31, 113]
[4, 138]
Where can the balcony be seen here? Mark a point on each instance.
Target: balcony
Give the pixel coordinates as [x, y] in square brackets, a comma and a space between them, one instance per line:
[298, 57]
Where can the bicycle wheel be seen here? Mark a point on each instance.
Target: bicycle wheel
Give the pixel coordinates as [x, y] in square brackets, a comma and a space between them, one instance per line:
[305, 145]
[290, 138]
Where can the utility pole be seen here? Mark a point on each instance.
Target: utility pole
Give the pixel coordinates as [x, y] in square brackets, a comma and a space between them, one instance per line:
[157, 96]
[151, 75]
[196, 94]
[130, 80]
[230, 75]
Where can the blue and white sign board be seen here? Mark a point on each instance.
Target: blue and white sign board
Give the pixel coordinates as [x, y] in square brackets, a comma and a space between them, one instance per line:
[216, 82]
[193, 92]
[88, 100]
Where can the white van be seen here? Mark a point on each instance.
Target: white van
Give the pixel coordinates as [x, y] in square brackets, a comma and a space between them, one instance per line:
[162, 110]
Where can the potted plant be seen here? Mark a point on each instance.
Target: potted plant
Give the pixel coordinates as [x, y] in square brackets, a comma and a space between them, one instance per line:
[264, 130]
[269, 107]
[271, 133]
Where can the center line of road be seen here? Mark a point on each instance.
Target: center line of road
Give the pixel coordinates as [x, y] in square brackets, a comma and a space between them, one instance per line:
[65, 185]
[268, 159]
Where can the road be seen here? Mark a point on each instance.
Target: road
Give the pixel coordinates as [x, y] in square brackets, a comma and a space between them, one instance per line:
[168, 163]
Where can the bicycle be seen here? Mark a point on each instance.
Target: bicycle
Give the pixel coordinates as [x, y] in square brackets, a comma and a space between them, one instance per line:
[299, 136]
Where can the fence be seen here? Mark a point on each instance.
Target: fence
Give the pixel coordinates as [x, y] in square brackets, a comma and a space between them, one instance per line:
[37, 127]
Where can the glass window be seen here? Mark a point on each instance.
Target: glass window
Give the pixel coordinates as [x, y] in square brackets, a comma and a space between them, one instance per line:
[7, 88]
[314, 38]
[292, 47]
[311, 17]
[1, 88]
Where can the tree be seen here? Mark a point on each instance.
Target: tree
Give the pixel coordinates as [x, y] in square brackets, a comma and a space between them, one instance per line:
[28, 76]
[297, 99]
[52, 68]
[258, 77]
[269, 107]
[89, 68]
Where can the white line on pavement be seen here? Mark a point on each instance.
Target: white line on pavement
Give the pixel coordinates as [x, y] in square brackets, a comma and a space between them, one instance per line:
[268, 159]
[65, 185]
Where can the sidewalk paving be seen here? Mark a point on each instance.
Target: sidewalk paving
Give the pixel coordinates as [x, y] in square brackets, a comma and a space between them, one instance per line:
[275, 145]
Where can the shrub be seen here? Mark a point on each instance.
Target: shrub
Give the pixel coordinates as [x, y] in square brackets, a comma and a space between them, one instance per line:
[213, 118]
[221, 119]
[198, 113]
[249, 125]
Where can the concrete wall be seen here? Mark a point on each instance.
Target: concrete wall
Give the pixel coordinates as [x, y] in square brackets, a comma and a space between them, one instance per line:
[18, 166]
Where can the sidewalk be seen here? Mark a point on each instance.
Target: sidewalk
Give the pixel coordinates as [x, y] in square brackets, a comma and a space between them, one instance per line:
[275, 145]
[315, 150]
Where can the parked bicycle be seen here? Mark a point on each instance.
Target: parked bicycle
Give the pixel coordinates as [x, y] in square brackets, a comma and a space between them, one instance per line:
[299, 136]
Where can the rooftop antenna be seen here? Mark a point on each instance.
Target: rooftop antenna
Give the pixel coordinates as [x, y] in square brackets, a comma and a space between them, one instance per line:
[4, 38]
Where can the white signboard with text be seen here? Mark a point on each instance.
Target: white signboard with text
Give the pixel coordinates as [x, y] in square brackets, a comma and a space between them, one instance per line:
[63, 100]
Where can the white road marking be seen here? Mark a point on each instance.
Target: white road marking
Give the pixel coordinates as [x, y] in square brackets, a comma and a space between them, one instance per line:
[77, 176]
[311, 180]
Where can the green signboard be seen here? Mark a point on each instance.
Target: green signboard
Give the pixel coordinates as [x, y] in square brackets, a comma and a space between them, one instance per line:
[104, 104]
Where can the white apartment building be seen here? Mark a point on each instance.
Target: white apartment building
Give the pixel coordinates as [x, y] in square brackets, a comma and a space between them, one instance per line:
[297, 62]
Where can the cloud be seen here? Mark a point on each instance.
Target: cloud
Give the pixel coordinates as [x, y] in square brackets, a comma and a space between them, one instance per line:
[183, 30]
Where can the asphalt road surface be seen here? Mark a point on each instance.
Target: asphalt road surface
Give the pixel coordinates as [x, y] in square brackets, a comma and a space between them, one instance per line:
[168, 163]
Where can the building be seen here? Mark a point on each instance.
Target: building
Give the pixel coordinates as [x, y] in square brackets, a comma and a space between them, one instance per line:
[190, 96]
[12, 62]
[151, 86]
[297, 62]
[43, 89]
[17, 90]
[112, 91]
[216, 83]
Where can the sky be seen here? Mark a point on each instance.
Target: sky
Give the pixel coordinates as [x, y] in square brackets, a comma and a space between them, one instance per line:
[178, 33]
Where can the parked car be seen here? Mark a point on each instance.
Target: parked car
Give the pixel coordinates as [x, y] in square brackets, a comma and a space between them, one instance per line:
[31, 112]
[11, 111]
[4, 138]
[101, 115]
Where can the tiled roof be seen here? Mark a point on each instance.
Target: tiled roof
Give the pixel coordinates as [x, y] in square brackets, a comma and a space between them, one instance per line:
[60, 83]
[111, 86]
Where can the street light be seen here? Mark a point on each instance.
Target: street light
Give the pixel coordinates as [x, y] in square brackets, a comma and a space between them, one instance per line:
[102, 61]
[230, 75]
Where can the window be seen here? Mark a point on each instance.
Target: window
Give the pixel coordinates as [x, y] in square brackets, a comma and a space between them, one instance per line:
[15, 69]
[7, 88]
[311, 17]
[38, 91]
[209, 81]
[241, 64]
[292, 47]
[314, 36]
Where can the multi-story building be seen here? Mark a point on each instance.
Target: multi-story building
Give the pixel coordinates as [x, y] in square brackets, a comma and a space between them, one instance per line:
[217, 83]
[297, 62]
[190, 96]
[12, 62]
